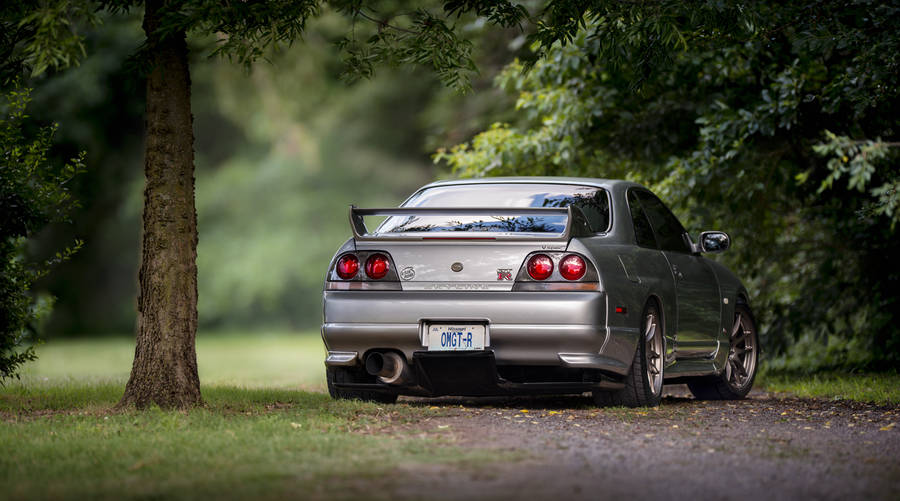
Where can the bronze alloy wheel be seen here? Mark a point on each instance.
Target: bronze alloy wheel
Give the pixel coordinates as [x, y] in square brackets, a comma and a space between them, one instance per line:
[737, 376]
[653, 351]
[643, 385]
[741, 363]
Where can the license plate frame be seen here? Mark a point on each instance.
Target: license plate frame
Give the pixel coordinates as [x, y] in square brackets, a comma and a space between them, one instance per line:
[455, 336]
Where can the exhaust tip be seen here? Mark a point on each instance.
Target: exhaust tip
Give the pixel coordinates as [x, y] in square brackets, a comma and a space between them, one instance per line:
[375, 363]
[389, 367]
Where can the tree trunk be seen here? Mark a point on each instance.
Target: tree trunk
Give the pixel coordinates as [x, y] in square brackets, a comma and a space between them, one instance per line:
[165, 360]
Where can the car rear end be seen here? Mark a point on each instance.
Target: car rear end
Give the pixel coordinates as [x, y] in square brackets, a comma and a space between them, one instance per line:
[468, 301]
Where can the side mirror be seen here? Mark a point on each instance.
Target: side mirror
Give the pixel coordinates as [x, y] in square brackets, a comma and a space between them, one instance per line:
[714, 241]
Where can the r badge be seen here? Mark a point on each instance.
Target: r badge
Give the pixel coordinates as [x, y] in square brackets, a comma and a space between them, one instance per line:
[407, 273]
[504, 274]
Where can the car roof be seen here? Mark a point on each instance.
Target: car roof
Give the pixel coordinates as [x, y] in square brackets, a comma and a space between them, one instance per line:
[608, 184]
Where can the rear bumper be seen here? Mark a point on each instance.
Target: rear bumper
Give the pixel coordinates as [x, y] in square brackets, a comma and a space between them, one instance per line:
[477, 374]
[561, 329]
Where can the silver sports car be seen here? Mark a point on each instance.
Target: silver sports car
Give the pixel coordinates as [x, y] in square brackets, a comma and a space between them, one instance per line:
[534, 285]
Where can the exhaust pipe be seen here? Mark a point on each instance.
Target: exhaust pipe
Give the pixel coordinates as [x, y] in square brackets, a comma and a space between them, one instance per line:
[390, 367]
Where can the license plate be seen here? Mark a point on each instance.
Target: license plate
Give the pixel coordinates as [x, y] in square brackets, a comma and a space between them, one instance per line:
[455, 337]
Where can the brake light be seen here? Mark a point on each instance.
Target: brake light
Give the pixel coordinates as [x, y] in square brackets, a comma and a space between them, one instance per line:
[572, 267]
[377, 266]
[540, 267]
[347, 266]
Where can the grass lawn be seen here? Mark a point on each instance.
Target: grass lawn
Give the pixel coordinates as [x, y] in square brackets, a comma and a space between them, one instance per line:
[268, 429]
[257, 360]
[881, 388]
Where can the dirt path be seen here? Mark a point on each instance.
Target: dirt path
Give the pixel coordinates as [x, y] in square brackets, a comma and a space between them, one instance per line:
[763, 448]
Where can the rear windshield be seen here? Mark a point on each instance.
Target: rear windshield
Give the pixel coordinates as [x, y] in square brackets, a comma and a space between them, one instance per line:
[592, 201]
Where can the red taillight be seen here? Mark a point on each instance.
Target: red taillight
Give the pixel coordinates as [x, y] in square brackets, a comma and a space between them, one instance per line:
[347, 266]
[377, 266]
[540, 267]
[572, 267]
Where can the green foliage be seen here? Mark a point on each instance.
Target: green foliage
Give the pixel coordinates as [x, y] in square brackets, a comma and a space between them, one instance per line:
[858, 160]
[272, 213]
[39, 35]
[33, 194]
[723, 118]
[280, 153]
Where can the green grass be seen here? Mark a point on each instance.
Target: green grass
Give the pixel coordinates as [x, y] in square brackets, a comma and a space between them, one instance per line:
[881, 388]
[267, 431]
[257, 360]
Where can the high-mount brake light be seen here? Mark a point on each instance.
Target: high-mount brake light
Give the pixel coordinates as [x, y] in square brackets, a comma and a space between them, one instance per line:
[572, 267]
[540, 267]
[377, 266]
[347, 266]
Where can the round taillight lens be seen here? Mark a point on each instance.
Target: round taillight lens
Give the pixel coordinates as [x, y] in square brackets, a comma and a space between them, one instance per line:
[377, 266]
[347, 266]
[540, 267]
[572, 267]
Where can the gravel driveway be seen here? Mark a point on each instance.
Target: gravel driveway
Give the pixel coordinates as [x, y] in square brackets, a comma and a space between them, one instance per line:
[766, 447]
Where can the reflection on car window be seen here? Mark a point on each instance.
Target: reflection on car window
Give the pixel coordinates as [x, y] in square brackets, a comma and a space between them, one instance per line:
[592, 201]
[669, 231]
[643, 233]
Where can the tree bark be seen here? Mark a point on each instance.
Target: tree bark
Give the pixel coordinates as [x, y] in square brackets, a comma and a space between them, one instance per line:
[165, 359]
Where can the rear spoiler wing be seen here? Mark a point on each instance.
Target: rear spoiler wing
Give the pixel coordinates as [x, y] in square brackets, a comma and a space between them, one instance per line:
[576, 222]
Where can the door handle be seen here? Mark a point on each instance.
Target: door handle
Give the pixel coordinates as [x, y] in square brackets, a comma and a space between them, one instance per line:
[679, 275]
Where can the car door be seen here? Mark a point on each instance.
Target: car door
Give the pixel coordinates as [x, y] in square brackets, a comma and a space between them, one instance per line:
[696, 287]
[650, 268]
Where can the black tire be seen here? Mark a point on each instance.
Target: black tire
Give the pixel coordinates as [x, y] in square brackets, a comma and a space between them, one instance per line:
[737, 378]
[643, 384]
[354, 375]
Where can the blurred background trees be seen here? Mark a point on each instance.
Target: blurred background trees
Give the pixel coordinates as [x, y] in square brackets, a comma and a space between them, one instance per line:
[281, 153]
[777, 124]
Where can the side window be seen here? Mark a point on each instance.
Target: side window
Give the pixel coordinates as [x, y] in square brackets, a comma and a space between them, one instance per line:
[669, 231]
[643, 233]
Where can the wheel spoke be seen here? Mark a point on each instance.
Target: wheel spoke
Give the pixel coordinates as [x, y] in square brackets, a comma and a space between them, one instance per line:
[653, 352]
[650, 332]
[737, 326]
[735, 374]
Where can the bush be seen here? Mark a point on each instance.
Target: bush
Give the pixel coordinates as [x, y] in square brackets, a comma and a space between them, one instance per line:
[33, 194]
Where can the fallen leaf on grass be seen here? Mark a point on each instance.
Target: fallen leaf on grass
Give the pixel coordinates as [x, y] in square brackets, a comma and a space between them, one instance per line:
[296, 425]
